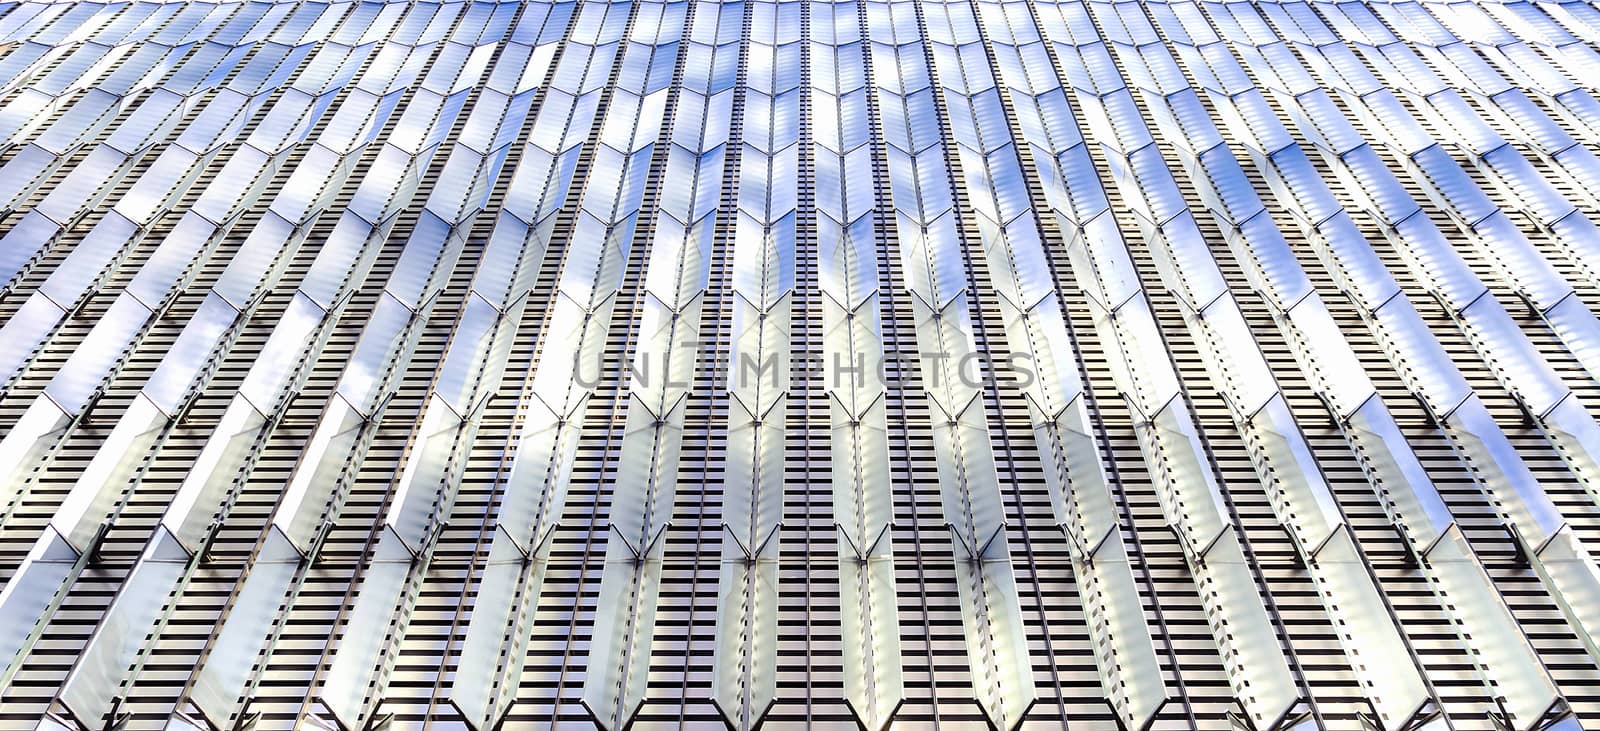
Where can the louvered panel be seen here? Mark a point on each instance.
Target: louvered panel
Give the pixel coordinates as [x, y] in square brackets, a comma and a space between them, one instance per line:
[798, 363]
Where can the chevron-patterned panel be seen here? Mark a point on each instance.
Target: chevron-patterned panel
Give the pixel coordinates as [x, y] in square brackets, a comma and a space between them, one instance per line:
[800, 364]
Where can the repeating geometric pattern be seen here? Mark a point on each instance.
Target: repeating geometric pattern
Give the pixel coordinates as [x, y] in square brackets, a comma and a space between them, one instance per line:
[1114, 364]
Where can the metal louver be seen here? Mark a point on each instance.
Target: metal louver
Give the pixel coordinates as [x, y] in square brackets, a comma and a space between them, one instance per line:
[645, 364]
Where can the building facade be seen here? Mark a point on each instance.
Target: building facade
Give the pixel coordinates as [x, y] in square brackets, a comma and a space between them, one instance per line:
[945, 364]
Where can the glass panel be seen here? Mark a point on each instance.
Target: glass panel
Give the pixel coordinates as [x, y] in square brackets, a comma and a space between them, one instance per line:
[163, 272]
[188, 517]
[484, 684]
[381, 335]
[189, 354]
[221, 678]
[417, 268]
[88, 366]
[29, 592]
[91, 687]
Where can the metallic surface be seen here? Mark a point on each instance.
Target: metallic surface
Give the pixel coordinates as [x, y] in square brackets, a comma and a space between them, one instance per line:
[933, 364]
